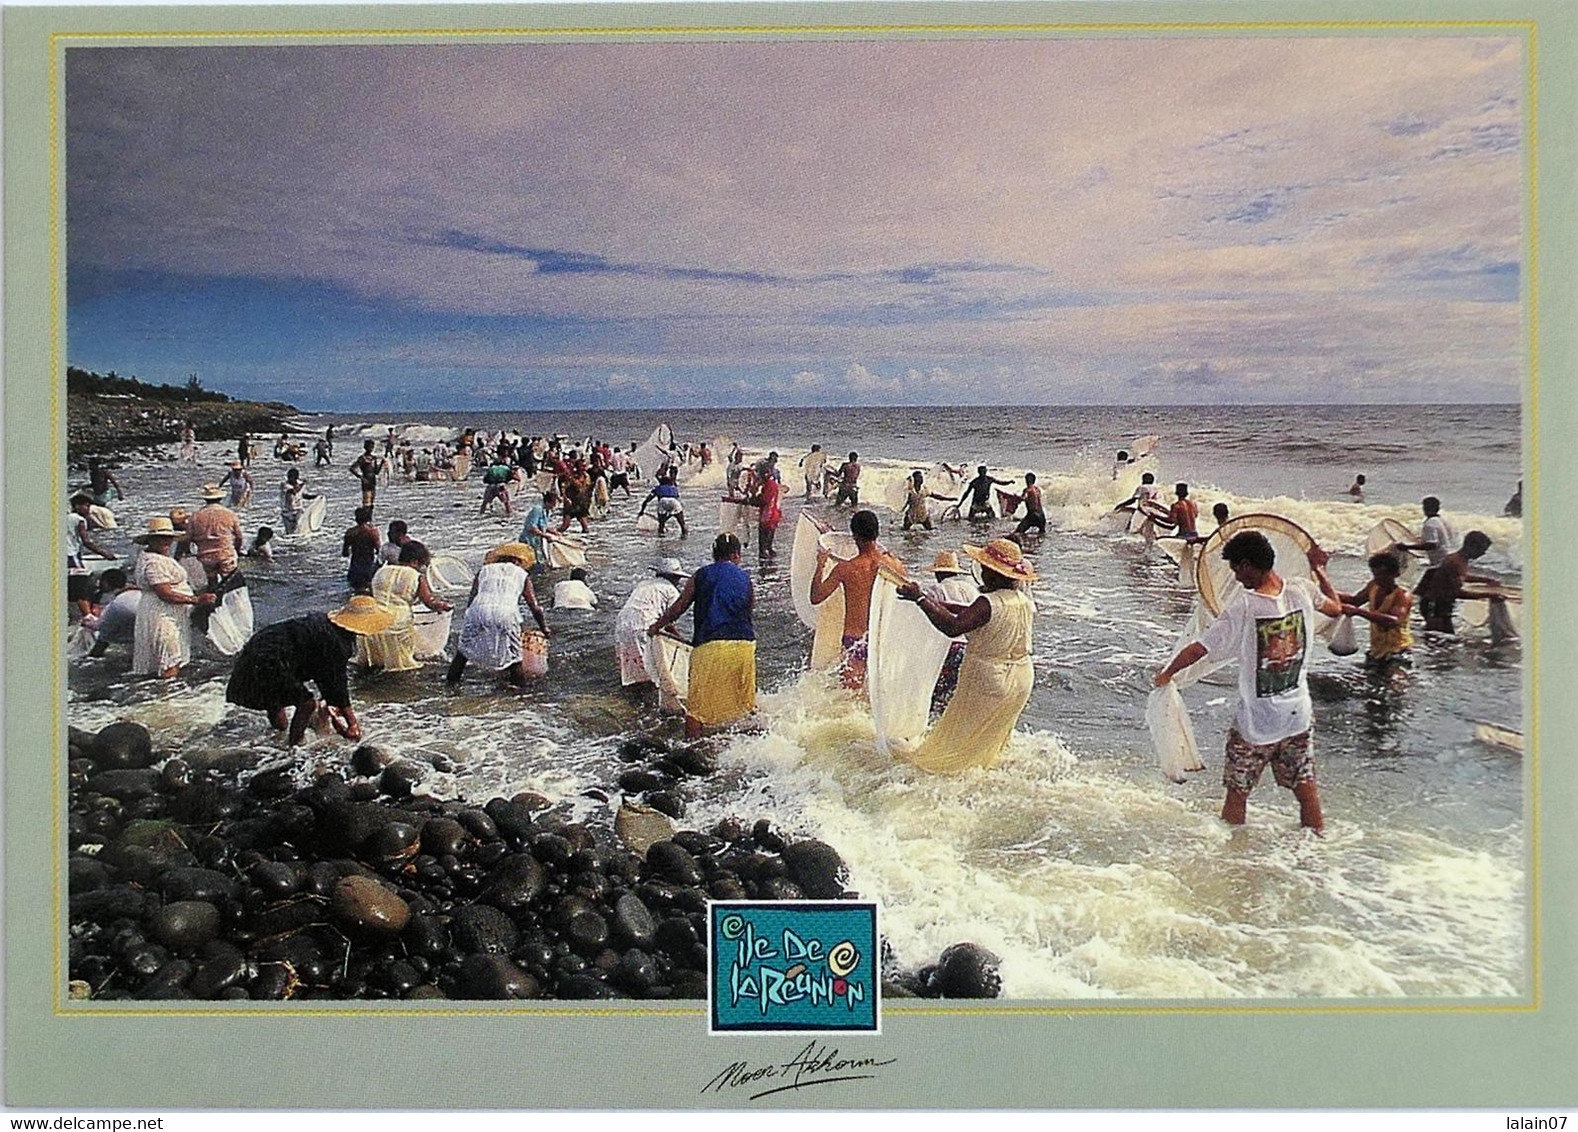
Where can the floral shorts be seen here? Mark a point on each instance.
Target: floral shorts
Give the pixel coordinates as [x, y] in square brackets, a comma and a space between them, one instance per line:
[1290, 761]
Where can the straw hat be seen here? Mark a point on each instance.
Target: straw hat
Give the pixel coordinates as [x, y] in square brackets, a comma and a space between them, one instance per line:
[947, 563]
[1003, 556]
[158, 527]
[211, 492]
[668, 568]
[517, 552]
[362, 615]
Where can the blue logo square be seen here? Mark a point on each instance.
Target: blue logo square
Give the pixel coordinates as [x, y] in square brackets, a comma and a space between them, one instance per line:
[794, 966]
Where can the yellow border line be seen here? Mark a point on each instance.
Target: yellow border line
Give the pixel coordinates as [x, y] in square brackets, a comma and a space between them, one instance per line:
[57, 43]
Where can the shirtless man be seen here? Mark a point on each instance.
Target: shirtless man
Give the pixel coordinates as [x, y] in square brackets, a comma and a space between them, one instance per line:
[979, 492]
[857, 576]
[365, 468]
[849, 482]
[1220, 513]
[915, 497]
[1184, 515]
[1442, 586]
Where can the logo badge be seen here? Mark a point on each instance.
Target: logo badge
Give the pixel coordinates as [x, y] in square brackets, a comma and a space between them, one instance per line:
[796, 966]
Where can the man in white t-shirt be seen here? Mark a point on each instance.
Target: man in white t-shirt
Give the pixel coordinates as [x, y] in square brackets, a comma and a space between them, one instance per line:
[1436, 540]
[1269, 626]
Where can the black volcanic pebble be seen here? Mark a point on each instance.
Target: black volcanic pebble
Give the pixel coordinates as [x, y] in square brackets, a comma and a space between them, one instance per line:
[697, 844]
[392, 841]
[425, 935]
[84, 874]
[185, 925]
[197, 884]
[639, 781]
[632, 923]
[275, 879]
[693, 760]
[174, 775]
[127, 785]
[731, 830]
[676, 936]
[636, 971]
[516, 881]
[667, 802]
[444, 835]
[552, 850]
[768, 838]
[779, 888]
[168, 981]
[688, 984]
[116, 902]
[483, 929]
[669, 861]
[641, 747]
[399, 779]
[220, 970]
[966, 970]
[514, 821]
[583, 985]
[478, 824]
[495, 977]
[368, 760]
[290, 915]
[586, 932]
[727, 888]
[272, 783]
[122, 746]
[817, 868]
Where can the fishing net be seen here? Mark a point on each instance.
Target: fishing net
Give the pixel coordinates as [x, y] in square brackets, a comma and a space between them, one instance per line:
[1384, 536]
[448, 574]
[431, 632]
[1345, 640]
[904, 657]
[1289, 541]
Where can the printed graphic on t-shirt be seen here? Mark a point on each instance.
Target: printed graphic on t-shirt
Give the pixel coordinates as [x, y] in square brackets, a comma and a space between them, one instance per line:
[1279, 653]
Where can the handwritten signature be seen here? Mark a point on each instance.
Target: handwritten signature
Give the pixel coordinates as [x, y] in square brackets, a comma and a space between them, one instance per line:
[813, 1065]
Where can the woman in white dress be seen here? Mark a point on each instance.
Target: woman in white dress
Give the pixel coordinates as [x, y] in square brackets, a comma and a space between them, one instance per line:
[491, 632]
[162, 638]
[395, 587]
[636, 653]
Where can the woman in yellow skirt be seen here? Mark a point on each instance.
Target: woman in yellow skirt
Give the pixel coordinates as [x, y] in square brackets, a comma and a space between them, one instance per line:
[395, 587]
[723, 663]
[996, 676]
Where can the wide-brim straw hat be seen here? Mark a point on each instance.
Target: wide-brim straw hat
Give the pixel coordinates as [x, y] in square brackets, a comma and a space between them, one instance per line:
[158, 527]
[669, 568]
[947, 563]
[211, 491]
[1003, 556]
[362, 616]
[518, 552]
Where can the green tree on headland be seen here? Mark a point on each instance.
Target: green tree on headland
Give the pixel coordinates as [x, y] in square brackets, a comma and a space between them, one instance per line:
[86, 383]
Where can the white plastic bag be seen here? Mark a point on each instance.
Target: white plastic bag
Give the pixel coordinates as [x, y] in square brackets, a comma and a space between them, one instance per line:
[1171, 733]
[80, 642]
[1345, 641]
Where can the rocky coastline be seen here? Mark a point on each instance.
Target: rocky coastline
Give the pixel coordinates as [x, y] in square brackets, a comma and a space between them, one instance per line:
[211, 876]
[107, 425]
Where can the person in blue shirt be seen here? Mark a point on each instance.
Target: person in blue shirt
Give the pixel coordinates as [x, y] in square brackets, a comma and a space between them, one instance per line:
[723, 661]
[666, 492]
[538, 526]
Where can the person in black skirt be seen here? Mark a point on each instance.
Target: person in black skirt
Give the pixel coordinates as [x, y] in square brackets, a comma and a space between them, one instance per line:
[272, 669]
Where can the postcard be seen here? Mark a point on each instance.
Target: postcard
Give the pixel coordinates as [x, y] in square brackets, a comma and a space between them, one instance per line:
[756, 556]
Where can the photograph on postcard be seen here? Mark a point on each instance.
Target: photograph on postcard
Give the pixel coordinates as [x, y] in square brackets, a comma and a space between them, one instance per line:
[1061, 493]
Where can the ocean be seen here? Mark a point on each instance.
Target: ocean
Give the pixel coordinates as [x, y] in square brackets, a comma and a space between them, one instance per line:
[1072, 858]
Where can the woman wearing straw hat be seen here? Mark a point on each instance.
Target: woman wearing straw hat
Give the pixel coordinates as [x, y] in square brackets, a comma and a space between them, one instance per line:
[162, 638]
[273, 668]
[491, 632]
[996, 675]
[646, 604]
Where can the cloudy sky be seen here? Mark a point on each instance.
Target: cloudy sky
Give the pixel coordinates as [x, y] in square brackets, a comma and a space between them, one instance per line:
[799, 223]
